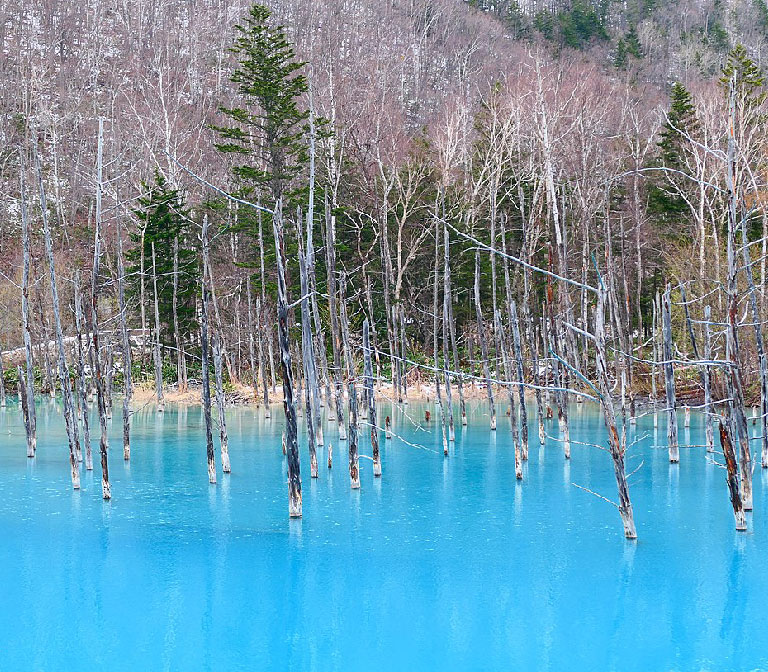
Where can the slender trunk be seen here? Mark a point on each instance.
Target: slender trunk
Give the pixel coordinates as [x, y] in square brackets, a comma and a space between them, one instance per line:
[204, 356]
[308, 360]
[617, 446]
[291, 428]
[354, 467]
[438, 384]
[31, 425]
[221, 401]
[104, 439]
[452, 328]
[262, 367]
[156, 343]
[180, 368]
[511, 391]
[735, 387]
[669, 378]
[66, 386]
[330, 248]
[732, 478]
[483, 344]
[372, 420]
[512, 307]
[708, 407]
[82, 387]
[126, 347]
[24, 400]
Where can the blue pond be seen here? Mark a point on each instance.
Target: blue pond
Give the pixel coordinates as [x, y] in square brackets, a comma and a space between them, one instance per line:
[443, 564]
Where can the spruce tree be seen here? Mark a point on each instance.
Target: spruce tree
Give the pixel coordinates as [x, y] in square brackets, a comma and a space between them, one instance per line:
[665, 197]
[269, 129]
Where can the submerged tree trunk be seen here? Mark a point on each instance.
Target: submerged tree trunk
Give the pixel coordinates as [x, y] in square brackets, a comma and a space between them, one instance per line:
[126, 347]
[30, 384]
[732, 478]
[204, 356]
[483, 343]
[221, 402]
[734, 378]
[511, 391]
[708, 408]
[435, 298]
[291, 428]
[66, 385]
[669, 378]
[372, 420]
[617, 446]
[24, 400]
[354, 467]
[308, 361]
[82, 386]
[98, 377]
[330, 251]
[520, 377]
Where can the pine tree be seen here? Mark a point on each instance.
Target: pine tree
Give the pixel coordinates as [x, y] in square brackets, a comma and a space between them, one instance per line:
[163, 218]
[271, 125]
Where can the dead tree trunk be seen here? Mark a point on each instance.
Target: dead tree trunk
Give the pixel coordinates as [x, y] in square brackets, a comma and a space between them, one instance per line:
[204, 345]
[104, 440]
[24, 400]
[221, 401]
[732, 478]
[82, 386]
[520, 378]
[446, 367]
[181, 369]
[511, 391]
[66, 386]
[2, 380]
[354, 467]
[483, 343]
[291, 428]
[372, 420]
[435, 351]
[761, 356]
[126, 347]
[708, 408]
[30, 385]
[308, 360]
[262, 367]
[330, 250]
[617, 446]
[735, 387]
[156, 344]
[251, 348]
[669, 378]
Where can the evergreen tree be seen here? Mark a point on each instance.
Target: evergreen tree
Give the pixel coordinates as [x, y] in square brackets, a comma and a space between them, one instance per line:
[271, 125]
[163, 218]
[665, 197]
[747, 77]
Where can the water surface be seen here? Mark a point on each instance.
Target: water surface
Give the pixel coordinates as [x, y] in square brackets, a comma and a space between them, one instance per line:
[442, 564]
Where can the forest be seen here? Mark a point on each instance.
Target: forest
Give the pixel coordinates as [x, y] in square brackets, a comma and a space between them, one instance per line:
[504, 261]
[494, 212]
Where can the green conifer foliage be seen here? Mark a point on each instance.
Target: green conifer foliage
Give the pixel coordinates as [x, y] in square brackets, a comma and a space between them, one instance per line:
[269, 129]
[162, 218]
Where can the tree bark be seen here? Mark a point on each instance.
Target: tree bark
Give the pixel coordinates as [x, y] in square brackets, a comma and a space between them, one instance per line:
[66, 386]
[204, 345]
[291, 429]
[483, 343]
[669, 378]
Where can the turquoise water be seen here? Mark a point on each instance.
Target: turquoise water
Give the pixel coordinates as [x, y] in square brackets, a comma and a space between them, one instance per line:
[443, 564]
